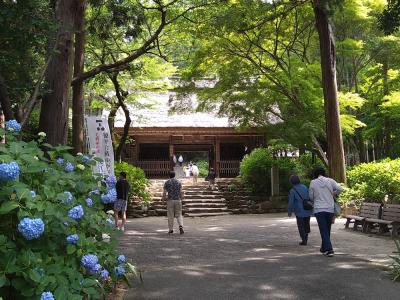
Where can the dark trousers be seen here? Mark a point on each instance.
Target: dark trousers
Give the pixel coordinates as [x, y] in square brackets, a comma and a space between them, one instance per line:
[303, 224]
[324, 220]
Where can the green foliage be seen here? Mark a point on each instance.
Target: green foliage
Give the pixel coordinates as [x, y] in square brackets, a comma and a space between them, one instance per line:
[48, 263]
[395, 268]
[305, 165]
[255, 170]
[137, 180]
[373, 182]
[203, 167]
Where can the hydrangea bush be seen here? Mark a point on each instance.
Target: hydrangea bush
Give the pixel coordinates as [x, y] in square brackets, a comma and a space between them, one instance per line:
[52, 225]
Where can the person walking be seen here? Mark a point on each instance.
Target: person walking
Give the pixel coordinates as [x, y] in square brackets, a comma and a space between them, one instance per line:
[195, 172]
[173, 194]
[297, 195]
[322, 192]
[211, 178]
[122, 187]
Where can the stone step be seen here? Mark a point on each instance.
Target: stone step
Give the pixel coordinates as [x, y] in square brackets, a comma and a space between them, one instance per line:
[206, 214]
[203, 200]
[206, 210]
[204, 204]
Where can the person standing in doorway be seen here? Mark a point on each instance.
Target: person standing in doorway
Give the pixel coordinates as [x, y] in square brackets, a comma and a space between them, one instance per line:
[173, 194]
[122, 187]
[195, 172]
[297, 195]
[323, 191]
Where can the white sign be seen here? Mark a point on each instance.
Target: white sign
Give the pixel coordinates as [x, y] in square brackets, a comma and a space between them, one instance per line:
[98, 143]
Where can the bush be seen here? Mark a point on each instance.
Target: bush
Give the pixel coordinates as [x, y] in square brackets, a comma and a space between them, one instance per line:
[255, 170]
[374, 182]
[305, 166]
[137, 180]
[52, 237]
[203, 168]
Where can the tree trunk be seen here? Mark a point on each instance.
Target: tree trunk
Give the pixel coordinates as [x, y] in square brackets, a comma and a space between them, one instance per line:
[334, 137]
[77, 87]
[124, 137]
[386, 123]
[5, 100]
[54, 110]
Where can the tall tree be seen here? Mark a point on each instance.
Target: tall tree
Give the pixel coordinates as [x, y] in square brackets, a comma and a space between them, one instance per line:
[55, 103]
[337, 168]
[77, 87]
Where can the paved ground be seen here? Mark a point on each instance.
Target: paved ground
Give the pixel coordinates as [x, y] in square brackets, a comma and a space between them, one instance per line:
[254, 257]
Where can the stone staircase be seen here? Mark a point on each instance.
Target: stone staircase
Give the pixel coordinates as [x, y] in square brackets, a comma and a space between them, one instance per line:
[199, 201]
[229, 198]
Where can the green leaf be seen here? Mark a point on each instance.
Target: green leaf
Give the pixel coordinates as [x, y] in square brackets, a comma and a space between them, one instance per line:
[71, 249]
[33, 275]
[3, 280]
[8, 206]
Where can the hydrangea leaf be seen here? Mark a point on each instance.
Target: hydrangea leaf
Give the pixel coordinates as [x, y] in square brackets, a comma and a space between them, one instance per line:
[8, 206]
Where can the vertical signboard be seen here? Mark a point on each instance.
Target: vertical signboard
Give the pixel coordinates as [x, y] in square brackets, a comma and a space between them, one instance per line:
[98, 143]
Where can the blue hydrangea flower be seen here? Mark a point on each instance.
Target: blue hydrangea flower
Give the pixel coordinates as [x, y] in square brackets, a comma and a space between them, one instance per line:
[76, 212]
[60, 161]
[13, 125]
[89, 202]
[86, 159]
[121, 259]
[120, 270]
[31, 228]
[111, 180]
[33, 194]
[9, 171]
[72, 239]
[104, 274]
[69, 197]
[112, 194]
[95, 269]
[110, 221]
[47, 296]
[69, 167]
[90, 262]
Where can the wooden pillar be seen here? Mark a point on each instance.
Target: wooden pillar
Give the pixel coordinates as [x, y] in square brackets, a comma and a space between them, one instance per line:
[217, 155]
[171, 153]
[274, 181]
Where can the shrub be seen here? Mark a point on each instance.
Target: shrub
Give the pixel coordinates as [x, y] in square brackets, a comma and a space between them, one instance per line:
[305, 165]
[137, 180]
[255, 170]
[47, 228]
[203, 167]
[375, 182]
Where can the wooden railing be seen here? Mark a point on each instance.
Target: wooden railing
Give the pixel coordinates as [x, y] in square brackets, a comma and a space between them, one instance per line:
[229, 168]
[155, 168]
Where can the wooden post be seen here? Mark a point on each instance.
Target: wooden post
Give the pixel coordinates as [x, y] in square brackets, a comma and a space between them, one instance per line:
[217, 155]
[3, 126]
[171, 153]
[274, 181]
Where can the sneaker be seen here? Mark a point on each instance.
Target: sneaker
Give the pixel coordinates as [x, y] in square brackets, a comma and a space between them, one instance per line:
[181, 230]
[122, 228]
[170, 232]
[329, 253]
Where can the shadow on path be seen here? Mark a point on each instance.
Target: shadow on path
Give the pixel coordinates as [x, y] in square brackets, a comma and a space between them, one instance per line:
[251, 257]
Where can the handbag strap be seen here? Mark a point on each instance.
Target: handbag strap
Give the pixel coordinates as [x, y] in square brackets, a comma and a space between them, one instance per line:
[298, 194]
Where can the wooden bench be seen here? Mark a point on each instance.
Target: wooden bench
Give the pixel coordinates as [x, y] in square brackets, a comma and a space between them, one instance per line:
[390, 217]
[367, 210]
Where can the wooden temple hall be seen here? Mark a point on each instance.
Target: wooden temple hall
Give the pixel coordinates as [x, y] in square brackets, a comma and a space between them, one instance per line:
[153, 148]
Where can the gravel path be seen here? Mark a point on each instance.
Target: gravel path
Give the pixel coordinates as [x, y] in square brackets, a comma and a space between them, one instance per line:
[254, 257]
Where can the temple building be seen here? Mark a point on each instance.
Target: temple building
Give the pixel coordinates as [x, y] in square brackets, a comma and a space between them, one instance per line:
[157, 135]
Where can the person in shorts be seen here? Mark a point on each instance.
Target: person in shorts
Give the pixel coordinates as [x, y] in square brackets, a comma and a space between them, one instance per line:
[173, 194]
[121, 204]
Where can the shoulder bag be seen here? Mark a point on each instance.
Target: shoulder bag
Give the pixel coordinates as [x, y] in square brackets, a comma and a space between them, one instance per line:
[307, 203]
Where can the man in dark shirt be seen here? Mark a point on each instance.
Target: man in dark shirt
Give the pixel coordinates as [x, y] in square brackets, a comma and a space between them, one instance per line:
[173, 188]
[121, 204]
